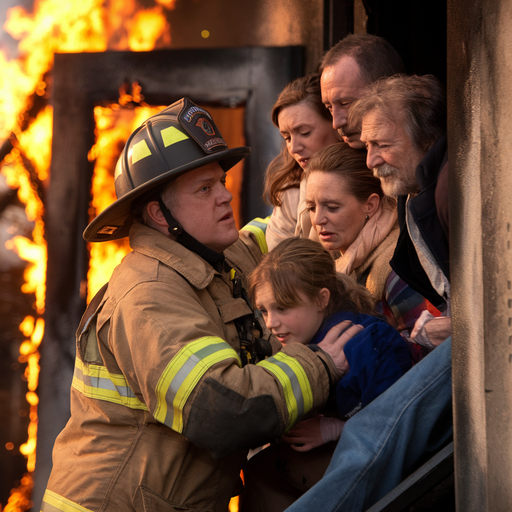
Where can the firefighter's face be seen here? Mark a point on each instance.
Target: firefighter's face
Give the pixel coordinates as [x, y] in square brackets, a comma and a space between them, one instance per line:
[202, 206]
[295, 324]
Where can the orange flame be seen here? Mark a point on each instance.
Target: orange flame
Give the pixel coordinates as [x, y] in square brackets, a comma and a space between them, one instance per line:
[71, 27]
[113, 127]
[67, 27]
[34, 252]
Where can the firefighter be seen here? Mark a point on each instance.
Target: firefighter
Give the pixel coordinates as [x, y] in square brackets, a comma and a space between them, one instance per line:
[164, 402]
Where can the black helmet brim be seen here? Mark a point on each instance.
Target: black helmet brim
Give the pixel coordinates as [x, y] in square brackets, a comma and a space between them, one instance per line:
[115, 221]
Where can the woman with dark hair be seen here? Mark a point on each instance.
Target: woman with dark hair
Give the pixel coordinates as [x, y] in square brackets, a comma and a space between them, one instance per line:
[358, 224]
[306, 127]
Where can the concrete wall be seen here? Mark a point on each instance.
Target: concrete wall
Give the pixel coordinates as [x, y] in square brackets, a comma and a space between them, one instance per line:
[480, 123]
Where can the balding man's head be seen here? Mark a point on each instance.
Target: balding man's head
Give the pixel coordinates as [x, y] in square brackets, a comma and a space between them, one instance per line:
[347, 68]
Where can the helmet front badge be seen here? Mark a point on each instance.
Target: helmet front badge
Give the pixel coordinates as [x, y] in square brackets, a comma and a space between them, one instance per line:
[206, 126]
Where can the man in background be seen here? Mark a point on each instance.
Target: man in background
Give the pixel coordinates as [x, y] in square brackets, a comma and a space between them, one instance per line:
[347, 69]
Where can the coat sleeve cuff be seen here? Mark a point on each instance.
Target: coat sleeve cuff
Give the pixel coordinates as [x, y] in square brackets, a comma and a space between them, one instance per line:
[333, 373]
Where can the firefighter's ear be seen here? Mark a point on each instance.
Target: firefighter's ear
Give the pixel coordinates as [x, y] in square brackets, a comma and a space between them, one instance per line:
[155, 215]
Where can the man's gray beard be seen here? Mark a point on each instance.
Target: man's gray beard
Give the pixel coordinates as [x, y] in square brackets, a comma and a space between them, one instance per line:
[394, 188]
[384, 171]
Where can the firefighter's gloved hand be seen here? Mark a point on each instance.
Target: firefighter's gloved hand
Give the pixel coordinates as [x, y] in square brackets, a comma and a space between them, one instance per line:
[336, 339]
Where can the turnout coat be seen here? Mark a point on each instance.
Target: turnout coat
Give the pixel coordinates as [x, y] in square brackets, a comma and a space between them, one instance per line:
[162, 411]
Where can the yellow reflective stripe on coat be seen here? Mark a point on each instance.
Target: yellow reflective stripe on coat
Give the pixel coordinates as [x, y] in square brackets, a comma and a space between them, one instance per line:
[53, 502]
[258, 227]
[95, 381]
[182, 375]
[297, 390]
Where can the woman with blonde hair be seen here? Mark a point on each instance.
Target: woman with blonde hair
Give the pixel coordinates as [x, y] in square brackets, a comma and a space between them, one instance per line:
[306, 126]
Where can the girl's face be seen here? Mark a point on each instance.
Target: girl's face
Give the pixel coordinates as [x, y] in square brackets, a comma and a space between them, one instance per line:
[337, 215]
[297, 324]
[305, 131]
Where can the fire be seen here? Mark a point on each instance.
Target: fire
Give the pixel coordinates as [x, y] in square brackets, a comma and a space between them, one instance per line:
[113, 127]
[234, 504]
[71, 27]
[67, 27]
[152, 21]
[15, 169]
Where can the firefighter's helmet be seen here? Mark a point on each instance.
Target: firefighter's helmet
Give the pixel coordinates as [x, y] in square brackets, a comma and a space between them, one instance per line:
[180, 138]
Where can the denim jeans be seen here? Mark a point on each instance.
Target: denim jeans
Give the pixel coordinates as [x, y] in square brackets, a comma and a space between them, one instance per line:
[388, 439]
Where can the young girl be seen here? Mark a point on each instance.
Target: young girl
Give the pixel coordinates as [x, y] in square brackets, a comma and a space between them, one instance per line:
[301, 296]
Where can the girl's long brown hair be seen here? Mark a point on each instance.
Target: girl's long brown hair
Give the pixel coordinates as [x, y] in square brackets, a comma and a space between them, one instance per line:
[300, 265]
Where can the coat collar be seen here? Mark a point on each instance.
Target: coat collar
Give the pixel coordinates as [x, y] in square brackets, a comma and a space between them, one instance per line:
[152, 243]
[428, 169]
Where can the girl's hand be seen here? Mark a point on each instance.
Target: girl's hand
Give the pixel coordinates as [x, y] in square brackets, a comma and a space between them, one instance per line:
[309, 434]
[336, 339]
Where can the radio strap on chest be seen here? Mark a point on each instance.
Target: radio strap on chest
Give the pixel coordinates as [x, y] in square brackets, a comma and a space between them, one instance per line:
[252, 348]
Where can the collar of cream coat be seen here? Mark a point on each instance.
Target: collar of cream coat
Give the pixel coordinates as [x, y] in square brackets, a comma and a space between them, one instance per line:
[152, 243]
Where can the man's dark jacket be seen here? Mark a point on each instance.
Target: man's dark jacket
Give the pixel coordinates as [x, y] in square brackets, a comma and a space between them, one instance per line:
[430, 210]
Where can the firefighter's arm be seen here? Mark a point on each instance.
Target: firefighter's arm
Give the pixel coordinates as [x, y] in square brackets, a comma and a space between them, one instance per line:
[260, 402]
[233, 408]
[191, 379]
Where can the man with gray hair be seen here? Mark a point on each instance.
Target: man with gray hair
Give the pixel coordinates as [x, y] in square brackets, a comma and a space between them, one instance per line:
[347, 68]
[403, 124]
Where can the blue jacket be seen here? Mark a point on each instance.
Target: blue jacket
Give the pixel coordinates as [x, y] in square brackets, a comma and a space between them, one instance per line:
[377, 356]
